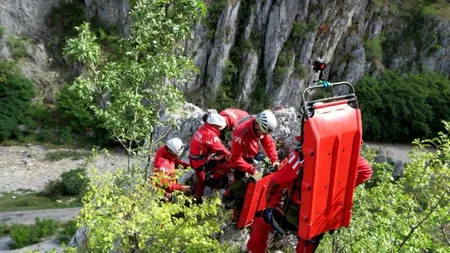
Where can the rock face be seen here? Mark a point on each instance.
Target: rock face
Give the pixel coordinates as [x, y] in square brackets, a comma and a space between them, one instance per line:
[259, 49]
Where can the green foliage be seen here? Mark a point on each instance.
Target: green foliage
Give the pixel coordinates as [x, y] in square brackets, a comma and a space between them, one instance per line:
[226, 96]
[32, 201]
[23, 235]
[74, 181]
[62, 20]
[300, 71]
[405, 214]
[16, 92]
[301, 29]
[64, 154]
[374, 50]
[2, 31]
[260, 100]
[130, 93]
[122, 212]
[68, 230]
[440, 9]
[84, 48]
[17, 46]
[75, 110]
[214, 10]
[282, 66]
[399, 108]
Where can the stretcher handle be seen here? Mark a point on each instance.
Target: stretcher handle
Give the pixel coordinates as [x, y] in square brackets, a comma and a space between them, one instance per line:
[309, 107]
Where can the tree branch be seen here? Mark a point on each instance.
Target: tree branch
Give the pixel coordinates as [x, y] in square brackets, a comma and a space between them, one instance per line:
[445, 236]
[422, 221]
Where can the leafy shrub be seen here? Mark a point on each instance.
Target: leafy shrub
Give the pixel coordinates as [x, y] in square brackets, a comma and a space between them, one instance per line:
[23, 235]
[75, 110]
[39, 115]
[67, 232]
[440, 8]
[46, 136]
[74, 181]
[301, 29]
[53, 189]
[400, 108]
[374, 50]
[45, 227]
[2, 31]
[17, 46]
[71, 183]
[122, 211]
[16, 92]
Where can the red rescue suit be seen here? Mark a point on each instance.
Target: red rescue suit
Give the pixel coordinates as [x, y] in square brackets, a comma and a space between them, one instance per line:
[164, 166]
[245, 145]
[204, 143]
[283, 179]
[233, 116]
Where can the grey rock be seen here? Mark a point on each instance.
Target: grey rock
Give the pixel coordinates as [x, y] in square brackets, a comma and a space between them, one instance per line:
[79, 238]
[234, 236]
[399, 166]
[110, 14]
[224, 39]
[247, 77]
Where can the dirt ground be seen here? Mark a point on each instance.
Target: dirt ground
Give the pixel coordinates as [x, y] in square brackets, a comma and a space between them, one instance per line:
[25, 167]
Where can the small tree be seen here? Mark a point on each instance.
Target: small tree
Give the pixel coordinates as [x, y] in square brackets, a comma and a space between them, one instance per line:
[131, 93]
[403, 215]
[123, 213]
[16, 92]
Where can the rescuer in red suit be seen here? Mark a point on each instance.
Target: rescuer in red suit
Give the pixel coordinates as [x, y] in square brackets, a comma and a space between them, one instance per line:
[204, 144]
[283, 179]
[165, 164]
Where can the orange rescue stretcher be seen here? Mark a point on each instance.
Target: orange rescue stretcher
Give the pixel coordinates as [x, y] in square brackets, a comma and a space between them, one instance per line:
[331, 140]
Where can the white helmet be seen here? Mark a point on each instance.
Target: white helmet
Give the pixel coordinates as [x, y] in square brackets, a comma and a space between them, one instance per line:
[267, 121]
[217, 120]
[176, 146]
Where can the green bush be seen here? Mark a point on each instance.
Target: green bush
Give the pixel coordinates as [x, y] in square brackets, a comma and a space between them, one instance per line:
[374, 50]
[440, 9]
[68, 230]
[71, 183]
[74, 182]
[17, 46]
[75, 110]
[122, 211]
[16, 92]
[45, 227]
[2, 31]
[53, 189]
[23, 235]
[403, 107]
[301, 29]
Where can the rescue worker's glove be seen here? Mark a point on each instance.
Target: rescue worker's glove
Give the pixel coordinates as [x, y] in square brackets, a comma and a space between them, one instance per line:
[268, 216]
